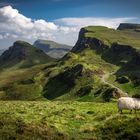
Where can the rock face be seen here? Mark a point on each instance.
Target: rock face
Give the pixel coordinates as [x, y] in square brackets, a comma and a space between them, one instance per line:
[52, 48]
[124, 26]
[23, 52]
[87, 42]
[122, 54]
[68, 76]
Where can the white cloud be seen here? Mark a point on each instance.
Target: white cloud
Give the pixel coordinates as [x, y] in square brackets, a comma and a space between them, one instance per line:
[14, 22]
[81, 22]
[15, 26]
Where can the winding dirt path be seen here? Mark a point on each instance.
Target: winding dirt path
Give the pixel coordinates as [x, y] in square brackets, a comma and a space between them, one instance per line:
[104, 80]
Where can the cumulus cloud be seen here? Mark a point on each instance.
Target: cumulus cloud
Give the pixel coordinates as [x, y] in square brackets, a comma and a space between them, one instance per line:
[17, 26]
[13, 22]
[14, 26]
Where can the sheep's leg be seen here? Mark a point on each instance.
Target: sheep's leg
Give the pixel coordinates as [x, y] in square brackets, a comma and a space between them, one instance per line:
[135, 111]
[130, 111]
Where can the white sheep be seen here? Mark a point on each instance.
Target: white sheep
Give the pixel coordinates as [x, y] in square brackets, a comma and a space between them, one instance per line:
[128, 103]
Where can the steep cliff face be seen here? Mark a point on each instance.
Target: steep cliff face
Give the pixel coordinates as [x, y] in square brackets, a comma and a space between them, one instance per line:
[117, 52]
[121, 54]
[125, 26]
[88, 42]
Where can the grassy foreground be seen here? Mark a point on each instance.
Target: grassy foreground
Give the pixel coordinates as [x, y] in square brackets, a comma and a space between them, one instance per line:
[66, 120]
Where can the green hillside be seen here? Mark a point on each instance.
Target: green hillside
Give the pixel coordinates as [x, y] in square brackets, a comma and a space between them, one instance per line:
[98, 68]
[74, 98]
[19, 65]
[22, 54]
[101, 52]
[21, 84]
[109, 36]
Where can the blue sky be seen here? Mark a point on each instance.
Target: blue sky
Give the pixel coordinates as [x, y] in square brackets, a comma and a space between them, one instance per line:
[53, 9]
[60, 20]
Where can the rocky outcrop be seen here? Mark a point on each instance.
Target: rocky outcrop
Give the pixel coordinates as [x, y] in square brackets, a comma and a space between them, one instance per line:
[115, 53]
[63, 82]
[126, 54]
[69, 76]
[124, 26]
[118, 54]
[121, 54]
[87, 42]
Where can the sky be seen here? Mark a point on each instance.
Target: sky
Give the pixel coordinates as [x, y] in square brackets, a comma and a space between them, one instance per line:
[60, 20]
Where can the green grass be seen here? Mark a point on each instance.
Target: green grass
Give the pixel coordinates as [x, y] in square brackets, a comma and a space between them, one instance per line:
[11, 75]
[129, 87]
[46, 80]
[93, 65]
[22, 84]
[70, 116]
[109, 36]
[66, 120]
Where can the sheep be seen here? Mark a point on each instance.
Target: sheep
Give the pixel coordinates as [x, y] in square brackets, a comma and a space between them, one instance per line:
[118, 93]
[128, 103]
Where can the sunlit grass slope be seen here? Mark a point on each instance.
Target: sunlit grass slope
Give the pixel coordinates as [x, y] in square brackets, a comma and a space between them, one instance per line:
[66, 120]
[109, 36]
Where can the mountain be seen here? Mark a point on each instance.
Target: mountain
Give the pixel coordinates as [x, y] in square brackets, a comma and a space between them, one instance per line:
[52, 48]
[129, 26]
[23, 54]
[104, 64]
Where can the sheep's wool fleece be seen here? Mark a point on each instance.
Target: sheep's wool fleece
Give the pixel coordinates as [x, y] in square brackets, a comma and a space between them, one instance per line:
[128, 103]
